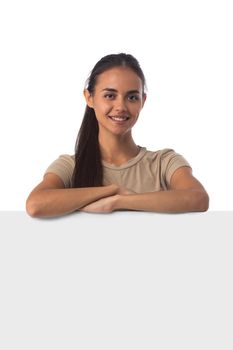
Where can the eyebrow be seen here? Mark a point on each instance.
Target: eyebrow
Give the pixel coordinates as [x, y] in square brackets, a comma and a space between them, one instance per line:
[128, 92]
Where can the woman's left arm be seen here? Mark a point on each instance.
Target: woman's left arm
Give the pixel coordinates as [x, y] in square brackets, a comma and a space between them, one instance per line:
[185, 194]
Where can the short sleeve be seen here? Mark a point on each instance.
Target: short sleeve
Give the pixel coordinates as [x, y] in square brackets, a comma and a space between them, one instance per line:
[63, 167]
[170, 162]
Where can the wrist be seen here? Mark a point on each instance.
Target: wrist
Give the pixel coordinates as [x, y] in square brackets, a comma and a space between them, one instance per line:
[125, 201]
[118, 201]
[114, 189]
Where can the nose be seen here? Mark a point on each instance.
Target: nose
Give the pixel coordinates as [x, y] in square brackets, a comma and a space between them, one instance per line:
[120, 105]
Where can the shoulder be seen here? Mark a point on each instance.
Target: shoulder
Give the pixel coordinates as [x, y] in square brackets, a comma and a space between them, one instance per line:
[64, 160]
[166, 161]
[162, 155]
[63, 166]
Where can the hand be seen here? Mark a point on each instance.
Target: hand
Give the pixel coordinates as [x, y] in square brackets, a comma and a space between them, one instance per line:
[103, 205]
[106, 204]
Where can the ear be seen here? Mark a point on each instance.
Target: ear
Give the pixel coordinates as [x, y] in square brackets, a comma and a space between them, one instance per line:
[143, 99]
[88, 98]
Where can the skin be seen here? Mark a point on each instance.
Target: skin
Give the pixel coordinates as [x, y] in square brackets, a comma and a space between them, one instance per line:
[186, 193]
[116, 142]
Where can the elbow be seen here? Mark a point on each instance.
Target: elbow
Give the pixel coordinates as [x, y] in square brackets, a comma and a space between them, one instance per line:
[32, 208]
[202, 201]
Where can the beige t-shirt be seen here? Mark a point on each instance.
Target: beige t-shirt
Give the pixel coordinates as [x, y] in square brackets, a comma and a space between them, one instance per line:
[147, 172]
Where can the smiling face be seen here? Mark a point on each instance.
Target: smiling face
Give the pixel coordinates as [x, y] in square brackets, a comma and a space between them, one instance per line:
[117, 100]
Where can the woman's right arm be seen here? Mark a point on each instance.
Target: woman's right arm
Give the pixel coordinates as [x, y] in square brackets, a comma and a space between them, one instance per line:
[51, 198]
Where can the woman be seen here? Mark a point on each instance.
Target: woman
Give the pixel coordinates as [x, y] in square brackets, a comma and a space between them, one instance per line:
[109, 171]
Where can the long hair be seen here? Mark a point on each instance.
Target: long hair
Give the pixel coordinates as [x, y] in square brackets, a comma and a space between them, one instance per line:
[88, 170]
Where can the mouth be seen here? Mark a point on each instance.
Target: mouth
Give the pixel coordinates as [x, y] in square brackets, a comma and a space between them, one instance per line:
[118, 119]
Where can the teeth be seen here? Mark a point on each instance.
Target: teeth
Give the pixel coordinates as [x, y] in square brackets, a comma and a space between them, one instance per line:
[119, 118]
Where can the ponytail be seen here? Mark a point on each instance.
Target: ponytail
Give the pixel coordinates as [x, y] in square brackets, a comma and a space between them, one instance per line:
[88, 170]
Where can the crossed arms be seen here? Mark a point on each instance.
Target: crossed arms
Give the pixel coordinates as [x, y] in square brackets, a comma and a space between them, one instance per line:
[50, 198]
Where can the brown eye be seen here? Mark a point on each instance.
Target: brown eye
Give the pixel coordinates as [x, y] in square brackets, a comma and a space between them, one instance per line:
[109, 96]
[133, 97]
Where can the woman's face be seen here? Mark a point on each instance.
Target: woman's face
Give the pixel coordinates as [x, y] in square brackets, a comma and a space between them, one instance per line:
[117, 100]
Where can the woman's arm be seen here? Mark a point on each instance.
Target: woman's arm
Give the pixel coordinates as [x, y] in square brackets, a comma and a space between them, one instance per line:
[50, 198]
[186, 194]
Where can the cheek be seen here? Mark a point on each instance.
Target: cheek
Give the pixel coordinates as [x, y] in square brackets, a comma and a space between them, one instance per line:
[102, 107]
[135, 108]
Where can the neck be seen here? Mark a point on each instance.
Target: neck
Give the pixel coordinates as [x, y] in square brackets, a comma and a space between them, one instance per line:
[118, 149]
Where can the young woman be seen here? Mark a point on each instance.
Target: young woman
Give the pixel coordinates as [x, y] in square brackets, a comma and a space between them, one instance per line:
[109, 171]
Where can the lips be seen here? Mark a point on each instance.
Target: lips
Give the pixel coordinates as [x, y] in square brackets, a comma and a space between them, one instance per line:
[118, 119]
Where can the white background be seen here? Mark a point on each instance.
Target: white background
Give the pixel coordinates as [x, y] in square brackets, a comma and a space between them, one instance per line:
[48, 49]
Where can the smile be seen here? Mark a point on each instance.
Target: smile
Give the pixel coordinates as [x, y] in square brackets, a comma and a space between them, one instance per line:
[118, 119]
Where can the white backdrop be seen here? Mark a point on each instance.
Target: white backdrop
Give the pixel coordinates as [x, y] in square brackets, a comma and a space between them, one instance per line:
[48, 48]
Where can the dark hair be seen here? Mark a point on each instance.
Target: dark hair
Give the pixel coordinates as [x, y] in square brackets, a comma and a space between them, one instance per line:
[88, 170]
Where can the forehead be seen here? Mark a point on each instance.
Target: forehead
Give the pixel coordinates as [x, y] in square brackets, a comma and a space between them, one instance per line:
[119, 78]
